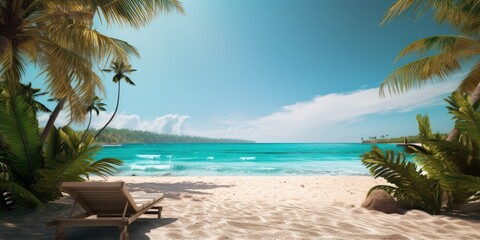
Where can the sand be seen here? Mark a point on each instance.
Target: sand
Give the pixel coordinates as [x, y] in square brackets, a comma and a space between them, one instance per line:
[293, 207]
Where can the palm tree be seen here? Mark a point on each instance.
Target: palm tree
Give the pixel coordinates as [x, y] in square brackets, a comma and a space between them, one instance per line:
[120, 69]
[96, 106]
[450, 51]
[58, 37]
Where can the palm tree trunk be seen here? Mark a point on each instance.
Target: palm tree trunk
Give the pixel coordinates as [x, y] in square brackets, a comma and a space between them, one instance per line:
[474, 97]
[52, 119]
[88, 126]
[114, 112]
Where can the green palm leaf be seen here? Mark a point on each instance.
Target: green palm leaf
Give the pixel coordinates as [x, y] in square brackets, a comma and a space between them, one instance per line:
[446, 43]
[19, 128]
[461, 181]
[19, 193]
[425, 131]
[103, 167]
[52, 148]
[467, 119]
[420, 72]
[134, 13]
[410, 183]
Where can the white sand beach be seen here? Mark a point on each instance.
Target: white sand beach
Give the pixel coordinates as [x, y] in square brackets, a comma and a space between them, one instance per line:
[283, 207]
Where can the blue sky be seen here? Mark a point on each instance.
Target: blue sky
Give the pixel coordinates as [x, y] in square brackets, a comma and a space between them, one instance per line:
[274, 71]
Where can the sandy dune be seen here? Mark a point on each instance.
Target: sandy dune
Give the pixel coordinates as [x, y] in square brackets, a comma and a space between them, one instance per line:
[323, 207]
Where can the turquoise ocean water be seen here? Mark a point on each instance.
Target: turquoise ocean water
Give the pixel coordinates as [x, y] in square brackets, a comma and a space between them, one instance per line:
[240, 159]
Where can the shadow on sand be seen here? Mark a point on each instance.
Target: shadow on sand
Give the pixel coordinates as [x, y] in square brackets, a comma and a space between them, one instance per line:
[175, 190]
[23, 223]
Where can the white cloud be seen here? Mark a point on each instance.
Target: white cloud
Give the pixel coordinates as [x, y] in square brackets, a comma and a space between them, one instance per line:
[170, 123]
[61, 120]
[305, 121]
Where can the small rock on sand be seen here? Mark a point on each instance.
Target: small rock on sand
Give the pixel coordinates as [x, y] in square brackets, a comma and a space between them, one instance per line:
[381, 201]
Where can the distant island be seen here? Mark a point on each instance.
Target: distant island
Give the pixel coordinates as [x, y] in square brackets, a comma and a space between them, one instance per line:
[120, 136]
[409, 139]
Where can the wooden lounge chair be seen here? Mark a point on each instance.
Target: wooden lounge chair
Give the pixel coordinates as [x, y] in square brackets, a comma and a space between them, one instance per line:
[106, 204]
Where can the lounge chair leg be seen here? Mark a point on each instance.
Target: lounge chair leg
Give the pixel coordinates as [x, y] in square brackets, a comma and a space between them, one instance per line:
[59, 233]
[124, 233]
[160, 212]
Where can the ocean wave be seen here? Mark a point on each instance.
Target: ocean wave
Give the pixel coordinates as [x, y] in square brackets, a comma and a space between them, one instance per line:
[247, 158]
[210, 158]
[149, 167]
[149, 156]
[111, 145]
[169, 156]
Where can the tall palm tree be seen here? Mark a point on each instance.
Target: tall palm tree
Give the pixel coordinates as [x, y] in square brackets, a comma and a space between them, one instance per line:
[441, 55]
[96, 106]
[120, 69]
[58, 37]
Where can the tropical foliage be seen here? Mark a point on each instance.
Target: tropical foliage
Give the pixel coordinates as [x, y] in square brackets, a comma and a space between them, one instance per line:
[32, 171]
[410, 187]
[58, 37]
[444, 173]
[441, 56]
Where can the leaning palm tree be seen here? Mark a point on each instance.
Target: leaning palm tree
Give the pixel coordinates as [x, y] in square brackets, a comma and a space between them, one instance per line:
[443, 55]
[96, 106]
[59, 38]
[121, 70]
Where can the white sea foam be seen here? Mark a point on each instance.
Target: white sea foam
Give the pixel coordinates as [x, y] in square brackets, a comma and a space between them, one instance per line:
[111, 145]
[169, 156]
[266, 168]
[213, 168]
[247, 158]
[210, 158]
[149, 167]
[148, 156]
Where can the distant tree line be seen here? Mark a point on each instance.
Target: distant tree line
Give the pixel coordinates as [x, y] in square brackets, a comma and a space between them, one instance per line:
[410, 139]
[119, 136]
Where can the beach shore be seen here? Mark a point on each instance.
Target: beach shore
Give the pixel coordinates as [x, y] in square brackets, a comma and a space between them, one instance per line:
[239, 207]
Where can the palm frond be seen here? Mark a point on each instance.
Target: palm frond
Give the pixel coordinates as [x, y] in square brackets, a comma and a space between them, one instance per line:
[76, 157]
[19, 127]
[463, 188]
[104, 167]
[461, 181]
[471, 80]
[133, 13]
[446, 43]
[467, 119]
[52, 148]
[410, 183]
[418, 6]
[424, 128]
[420, 72]
[127, 79]
[19, 193]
